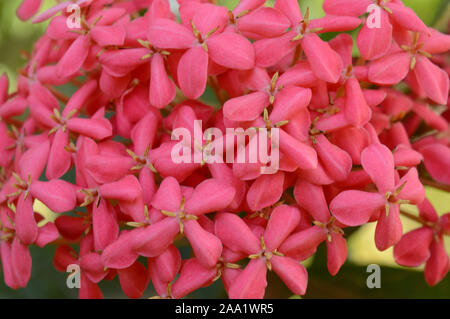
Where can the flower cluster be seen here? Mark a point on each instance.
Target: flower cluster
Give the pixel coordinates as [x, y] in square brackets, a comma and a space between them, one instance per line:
[88, 130]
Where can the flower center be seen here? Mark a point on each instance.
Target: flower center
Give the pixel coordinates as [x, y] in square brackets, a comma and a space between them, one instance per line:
[180, 215]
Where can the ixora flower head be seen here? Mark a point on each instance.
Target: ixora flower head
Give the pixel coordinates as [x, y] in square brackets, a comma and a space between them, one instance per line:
[248, 135]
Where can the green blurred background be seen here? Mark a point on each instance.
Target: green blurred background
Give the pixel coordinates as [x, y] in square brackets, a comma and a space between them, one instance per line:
[396, 282]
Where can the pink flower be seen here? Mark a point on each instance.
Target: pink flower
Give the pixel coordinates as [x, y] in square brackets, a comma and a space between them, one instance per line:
[28, 8]
[425, 245]
[181, 214]
[204, 39]
[374, 42]
[236, 235]
[413, 54]
[324, 61]
[354, 207]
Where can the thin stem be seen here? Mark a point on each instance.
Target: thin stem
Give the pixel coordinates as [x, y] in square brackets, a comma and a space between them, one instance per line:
[60, 96]
[429, 182]
[215, 86]
[297, 54]
[76, 82]
[414, 217]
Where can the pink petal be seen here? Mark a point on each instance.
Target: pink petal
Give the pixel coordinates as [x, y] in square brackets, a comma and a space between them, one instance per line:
[290, 9]
[119, 254]
[335, 23]
[354, 208]
[106, 169]
[413, 189]
[432, 79]
[51, 12]
[352, 8]
[46, 234]
[207, 247]
[336, 161]
[70, 228]
[25, 224]
[375, 97]
[20, 262]
[167, 264]
[293, 274]
[8, 275]
[436, 43]
[336, 253]
[389, 228]
[406, 17]
[192, 276]
[235, 234]
[436, 160]
[192, 72]
[80, 97]
[247, 107]
[414, 247]
[113, 86]
[111, 35]
[119, 63]
[92, 265]
[289, 102]
[225, 173]
[325, 62]
[247, 5]
[169, 189]
[302, 155]
[357, 112]
[430, 117]
[208, 17]
[104, 224]
[265, 21]
[283, 220]
[270, 51]
[89, 290]
[265, 191]
[251, 282]
[427, 211]
[32, 162]
[74, 57]
[59, 160]
[438, 265]
[353, 141]
[162, 89]
[28, 8]
[14, 107]
[378, 162]
[405, 156]
[209, 196]
[153, 240]
[125, 189]
[373, 43]
[97, 127]
[298, 75]
[58, 195]
[311, 197]
[133, 280]
[231, 50]
[63, 257]
[390, 69]
[343, 45]
[303, 244]
[144, 132]
[168, 34]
